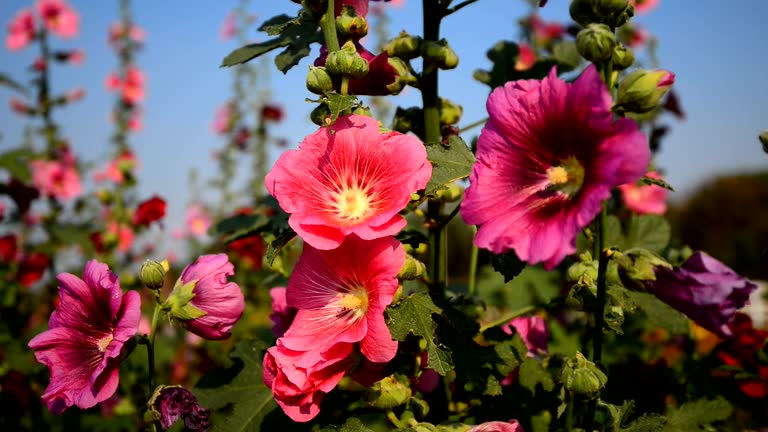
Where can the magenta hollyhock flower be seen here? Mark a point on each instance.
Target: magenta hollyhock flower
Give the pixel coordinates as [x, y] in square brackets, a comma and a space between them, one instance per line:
[299, 380]
[282, 315]
[21, 30]
[498, 426]
[222, 301]
[58, 17]
[705, 290]
[133, 85]
[645, 199]
[349, 178]
[55, 178]
[546, 160]
[533, 331]
[341, 295]
[85, 336]
[644, 6]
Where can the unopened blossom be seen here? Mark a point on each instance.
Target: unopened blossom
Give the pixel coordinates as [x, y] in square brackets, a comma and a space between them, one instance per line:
[341, 295]
[197, 220]
[498, 426]
[55, 178]
[59, 17]
[644, 6]
[20, 107]
[532, 330]
[172, 403]
[149, 211]
[85, 336]
[282, 315]
[547, 158]
[221, 301]
[21, 30]
[704, 289]
[349, 178]
[645, 199]
[381, 75]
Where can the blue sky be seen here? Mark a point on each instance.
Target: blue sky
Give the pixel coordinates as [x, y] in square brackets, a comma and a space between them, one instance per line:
[717, 50]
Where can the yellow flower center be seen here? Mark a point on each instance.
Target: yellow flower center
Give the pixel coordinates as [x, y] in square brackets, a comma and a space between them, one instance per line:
[103, 343]
[557, 175]
[355, 301]
[568, 177]
[352, 204]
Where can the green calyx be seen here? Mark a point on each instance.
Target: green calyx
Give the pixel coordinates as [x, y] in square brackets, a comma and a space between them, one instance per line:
[178, 304]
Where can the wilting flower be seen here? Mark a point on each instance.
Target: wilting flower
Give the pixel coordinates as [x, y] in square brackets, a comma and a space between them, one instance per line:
[742, 351]
[203, 301]
[198, 220]
[282, 315]
[341, 295]
[55, 178]
[149, 211]
[171, 403]
[532, 330]
[643, 6]
[498, 426]
[59, 17]
[546, 160]
[349, 178]
[85, 336]
[21, 30]
[704, 289]
[645, 199]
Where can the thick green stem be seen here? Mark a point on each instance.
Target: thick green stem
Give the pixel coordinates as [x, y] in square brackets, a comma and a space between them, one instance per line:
[151, 348]
[345, 84]
[328, 24]
[473, 264]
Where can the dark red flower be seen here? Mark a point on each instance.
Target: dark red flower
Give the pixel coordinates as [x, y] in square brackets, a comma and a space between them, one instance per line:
[149, 211]
[174, 403]
[742, 351]
[250, 250]
[8, 248]
[31, 268]
[271, 113]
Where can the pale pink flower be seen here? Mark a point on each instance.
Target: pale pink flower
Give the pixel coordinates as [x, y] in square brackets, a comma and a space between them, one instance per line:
[498, 426]
[85, 336]
[21, 30]
[645, 199]
[532, 330]
[198, 220]
[644, 6]
[341, 295]
[349, 178]
[546, 160]
[229, 26]
[56, 179]
[222, 121]
[58, 17]
[123, 234]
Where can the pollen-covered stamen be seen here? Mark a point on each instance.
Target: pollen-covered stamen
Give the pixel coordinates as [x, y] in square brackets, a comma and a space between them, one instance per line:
[103, 343]
[567, 177]
[352, 204]
[354, 301]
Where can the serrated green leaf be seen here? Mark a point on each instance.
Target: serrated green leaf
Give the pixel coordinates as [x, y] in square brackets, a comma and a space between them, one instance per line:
[413, 315]
[695, 415]
[654, 181]
[6, 81]
[449, 163]
[507, 264]
[650, 232]
[278, 24]
[646, 423]
[532, 373]
[237, 397]
[351, 425]
[337, 103]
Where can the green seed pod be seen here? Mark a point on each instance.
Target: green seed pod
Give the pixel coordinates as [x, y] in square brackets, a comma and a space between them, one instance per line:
[350, 24]
[581, 376]
[152, 274]
[404, 46]
[347, 61]
[596, 43]
[320, 115]
[388, 393]
[440, 54]
[412, 269]
[319, 80]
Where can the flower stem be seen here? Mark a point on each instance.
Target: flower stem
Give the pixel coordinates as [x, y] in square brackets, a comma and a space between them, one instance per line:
[328, 24]
[151, 348]
[473, 125]
[473, 264]
[599, 312]
[508, 317]
[345, 84]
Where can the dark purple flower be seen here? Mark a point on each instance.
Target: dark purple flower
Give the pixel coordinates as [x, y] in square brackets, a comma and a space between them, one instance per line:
[174, 403]
[705, 290]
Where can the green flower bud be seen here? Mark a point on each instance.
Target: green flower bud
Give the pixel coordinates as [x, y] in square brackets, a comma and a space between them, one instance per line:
[622, 58]
[404, 46]
[412, 268]
[152, 274]
[764, 140]
[404, 76]
[450, 113]
[362, 110]
[606, 8]
[319, 80]
[440, 54]
[582, 12]
[581, 376]
[320, 115]
[642, 90]
[350, 24]
[596, 43]
[409, 119]
[347, 61]
[388, 393]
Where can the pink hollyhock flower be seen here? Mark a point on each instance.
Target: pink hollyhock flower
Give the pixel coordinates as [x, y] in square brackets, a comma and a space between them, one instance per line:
[56, 179]
[526, 59]
[21, 30]
[19, 107]
[133, 85]
[300, 380]
[546, 160]
[198, 220]
[282, 315]
[220, 300]
[59, 17]
[644, 6]
[85, 336]
[543, 31]
[645, 199]
[498, 426]
[112, 82]
[349, 178]
[229, 26]
[341, 295]
[123, 234]
[533, 331]
[223, 120]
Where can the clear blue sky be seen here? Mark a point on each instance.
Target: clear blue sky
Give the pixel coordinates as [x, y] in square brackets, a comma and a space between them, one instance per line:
[716, 48]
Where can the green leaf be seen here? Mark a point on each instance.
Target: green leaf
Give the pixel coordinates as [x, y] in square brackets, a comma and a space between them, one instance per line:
[532, 373]
[413, 315]
[237, 396]
[6, 81]
[697, 415]
[654, 181]
[449, 163]
[278, 24]
[238, 226]
[16, 162]
[614, 236]
[661, 314]
[508, 264]
[351, 425]
[646, 423]
[276, 245]
[650, 232]
[504, 56]
[566, 54]
[337, 103]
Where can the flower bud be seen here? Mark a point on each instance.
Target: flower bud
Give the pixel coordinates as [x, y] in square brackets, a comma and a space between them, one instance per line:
[320, 114]
[388, 393]
[581, 376]
[347, 61]
[412, 269]
[582, 12]
[622, 58]
[440, 54]
[450, 113]
[764, 140]
[609, 7]
[319, 80]
[152, 274]
[350, 24]
[362, 110]
[404, 46]
[596, 43]
[403, 75]
[642, 90]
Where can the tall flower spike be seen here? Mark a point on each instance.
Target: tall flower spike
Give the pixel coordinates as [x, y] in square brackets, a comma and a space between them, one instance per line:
[85, 336]
[546, 160]
[349, 178]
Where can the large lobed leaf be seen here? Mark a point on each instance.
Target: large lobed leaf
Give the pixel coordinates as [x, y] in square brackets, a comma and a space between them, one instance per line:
[449, 163]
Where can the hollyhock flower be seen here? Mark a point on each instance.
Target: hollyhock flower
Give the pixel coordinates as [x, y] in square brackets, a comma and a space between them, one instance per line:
[229, 26]
[341, 295]
[221, 302]
[85, 336]
[74, 95]
[349, 178]
[9, 249]
[56, 179]
[149, 211]
[122, 234]
[498, 426]
[644, 6]
[198, 220]
[270, 112]
[645, 199]
[134, 121]
[533, 331]
[171, 403]
[546, 160]
[59, 17]
[282, 315]
[250, 250]
[21, 30]
[112, 82]
[133, 86]
[300, 380]
[544, 32]
[526, 59]
[742, 351]
[223, 120]
[705, 290]
[31, 268]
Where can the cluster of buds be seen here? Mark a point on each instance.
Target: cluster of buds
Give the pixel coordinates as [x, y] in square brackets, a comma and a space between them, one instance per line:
[597, 42]
[613, 13]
